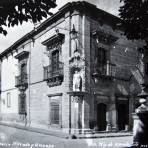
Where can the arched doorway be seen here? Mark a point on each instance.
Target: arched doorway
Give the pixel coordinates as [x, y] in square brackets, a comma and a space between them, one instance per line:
[101, 116]
[123, 115]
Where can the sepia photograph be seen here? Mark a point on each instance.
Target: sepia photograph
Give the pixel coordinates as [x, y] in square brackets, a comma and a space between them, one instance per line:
[73, 73]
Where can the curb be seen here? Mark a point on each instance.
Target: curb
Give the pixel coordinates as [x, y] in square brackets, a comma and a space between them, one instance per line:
[65, 135]
[105, 136]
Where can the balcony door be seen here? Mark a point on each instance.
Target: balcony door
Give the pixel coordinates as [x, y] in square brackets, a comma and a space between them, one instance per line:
[55, 61]
[101, 59]
[23, 69]
[23, 72]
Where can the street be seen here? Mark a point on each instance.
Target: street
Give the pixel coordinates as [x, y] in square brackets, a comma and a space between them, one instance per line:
[17, 138]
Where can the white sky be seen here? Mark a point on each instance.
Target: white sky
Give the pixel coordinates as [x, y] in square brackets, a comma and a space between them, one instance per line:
[17, 32]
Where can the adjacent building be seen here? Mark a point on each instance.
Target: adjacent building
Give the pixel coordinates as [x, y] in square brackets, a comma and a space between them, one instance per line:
[74, 72]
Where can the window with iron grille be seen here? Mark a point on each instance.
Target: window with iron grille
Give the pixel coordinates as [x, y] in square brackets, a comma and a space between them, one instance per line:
[54, 112]
[22, 78]
[22, 103]
[53, 73]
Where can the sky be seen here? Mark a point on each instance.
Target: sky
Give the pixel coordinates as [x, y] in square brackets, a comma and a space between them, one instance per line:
[16, 32]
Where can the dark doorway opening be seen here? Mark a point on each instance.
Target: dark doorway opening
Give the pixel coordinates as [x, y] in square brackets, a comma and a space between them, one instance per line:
[101, 116]
[123, 115]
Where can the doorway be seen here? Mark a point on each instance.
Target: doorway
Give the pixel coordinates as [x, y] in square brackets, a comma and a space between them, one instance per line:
[123, 115]
[101, 116]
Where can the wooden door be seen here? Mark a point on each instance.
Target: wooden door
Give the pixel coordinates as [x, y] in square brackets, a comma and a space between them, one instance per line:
[101, 117]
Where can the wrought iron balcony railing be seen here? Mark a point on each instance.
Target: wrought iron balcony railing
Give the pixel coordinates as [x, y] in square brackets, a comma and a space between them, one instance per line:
[52, 71]
[105, 70]
[21, 80]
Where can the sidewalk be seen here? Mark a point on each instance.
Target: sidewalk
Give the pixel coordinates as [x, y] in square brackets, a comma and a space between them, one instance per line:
[56, 133]
[60, 134]
[105, 135]
[18, 138]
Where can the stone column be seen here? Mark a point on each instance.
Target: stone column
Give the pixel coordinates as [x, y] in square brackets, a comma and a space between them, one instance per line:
[86, 112]
[76, 113]
[130, 113]
[82, 117]
[108, 118]
[114, 119]
[112, 115]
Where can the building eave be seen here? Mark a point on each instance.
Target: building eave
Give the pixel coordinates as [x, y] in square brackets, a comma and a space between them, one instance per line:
[71, 6]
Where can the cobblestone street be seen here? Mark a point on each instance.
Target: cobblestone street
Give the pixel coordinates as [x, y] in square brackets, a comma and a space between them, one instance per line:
[17, 138]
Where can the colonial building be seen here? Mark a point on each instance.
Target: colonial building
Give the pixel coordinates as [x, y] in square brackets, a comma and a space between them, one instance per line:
[76, 71]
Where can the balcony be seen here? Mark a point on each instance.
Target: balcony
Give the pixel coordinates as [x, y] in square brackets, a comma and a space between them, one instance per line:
[53, 74]
[107, 70]
[21, 80]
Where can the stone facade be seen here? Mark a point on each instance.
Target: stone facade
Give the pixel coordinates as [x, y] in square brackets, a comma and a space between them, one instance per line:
[37, 73]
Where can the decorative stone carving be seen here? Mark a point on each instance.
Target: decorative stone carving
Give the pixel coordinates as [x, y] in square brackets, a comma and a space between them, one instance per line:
[51, 82]
[77, 61]
[103, 37]
[22, 55]
[54, 76]
[55, 41]
[77, 81]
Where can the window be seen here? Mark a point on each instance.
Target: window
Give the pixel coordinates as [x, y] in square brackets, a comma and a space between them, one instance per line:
[53, 73]
[23, 68]
[102, 56]
[101, 59]
[8, 100]
[54, 112]
[55, 61]
[23, 73]
[22, 103]
[21, 80]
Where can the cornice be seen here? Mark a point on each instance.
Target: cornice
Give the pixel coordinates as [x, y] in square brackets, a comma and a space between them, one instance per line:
[81, 6]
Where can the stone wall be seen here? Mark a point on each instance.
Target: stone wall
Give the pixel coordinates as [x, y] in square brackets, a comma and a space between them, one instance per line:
[39, 95]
